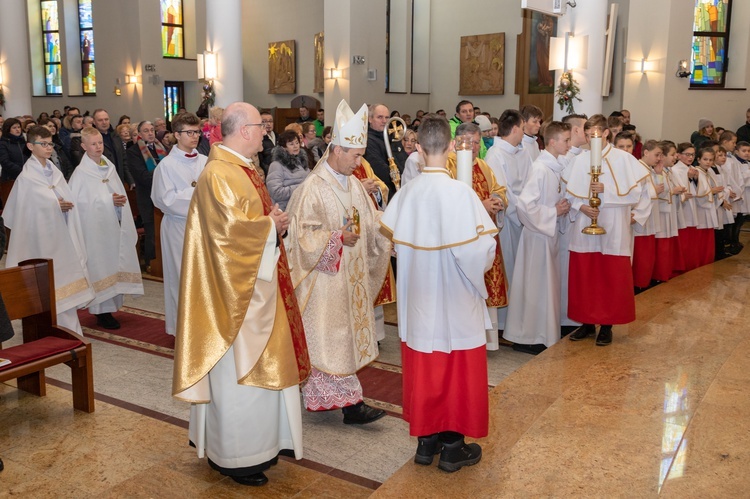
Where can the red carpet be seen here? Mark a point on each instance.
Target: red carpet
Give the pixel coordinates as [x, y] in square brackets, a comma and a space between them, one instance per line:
[133, 326]
[378, 383]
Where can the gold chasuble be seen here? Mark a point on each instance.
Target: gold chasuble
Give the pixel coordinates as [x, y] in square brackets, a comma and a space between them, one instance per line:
[387, 292]
[226, 232]
[336, 285]
[484, 184]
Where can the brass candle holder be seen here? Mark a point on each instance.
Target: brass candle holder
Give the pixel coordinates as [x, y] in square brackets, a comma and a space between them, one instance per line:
[596, 170]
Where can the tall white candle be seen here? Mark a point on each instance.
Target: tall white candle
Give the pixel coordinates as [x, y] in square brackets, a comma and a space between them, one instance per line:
[464, 167]
[596, 153]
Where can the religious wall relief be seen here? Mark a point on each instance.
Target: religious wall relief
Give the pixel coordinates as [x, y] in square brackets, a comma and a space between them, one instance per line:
[482, 65]
[282, 74]
[319, 53]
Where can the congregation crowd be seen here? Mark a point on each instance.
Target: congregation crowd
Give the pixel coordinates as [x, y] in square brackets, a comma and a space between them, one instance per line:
[303, 244]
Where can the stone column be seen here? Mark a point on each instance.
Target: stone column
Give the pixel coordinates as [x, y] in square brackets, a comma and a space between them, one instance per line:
[14, 59]
[224, 38]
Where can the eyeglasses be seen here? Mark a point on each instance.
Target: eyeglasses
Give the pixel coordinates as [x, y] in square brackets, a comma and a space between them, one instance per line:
[44, 144]
[190, 133]
[255, 124]
[265, 122]
[688, 153]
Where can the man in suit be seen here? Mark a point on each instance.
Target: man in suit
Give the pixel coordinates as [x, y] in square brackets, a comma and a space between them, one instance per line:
[113, 148]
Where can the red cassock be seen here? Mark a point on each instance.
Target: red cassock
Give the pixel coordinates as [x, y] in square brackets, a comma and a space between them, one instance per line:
[669, 260]
[600, 289]
[705, 246]
[437, 400]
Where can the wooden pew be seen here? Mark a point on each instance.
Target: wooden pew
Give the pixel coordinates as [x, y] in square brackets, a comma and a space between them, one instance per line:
[28, 292]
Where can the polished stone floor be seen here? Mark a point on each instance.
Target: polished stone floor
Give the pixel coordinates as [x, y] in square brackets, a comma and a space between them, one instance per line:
[663, 411]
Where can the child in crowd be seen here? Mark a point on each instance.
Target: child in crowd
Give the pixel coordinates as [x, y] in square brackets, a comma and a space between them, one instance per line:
[644, 245]
[45, 224]
[742, 155]
[705, 196]
[669, 259]
[723, 202]
[534, 304]
[532, 123]
[732, 172]
[624, 142]
[685, 176]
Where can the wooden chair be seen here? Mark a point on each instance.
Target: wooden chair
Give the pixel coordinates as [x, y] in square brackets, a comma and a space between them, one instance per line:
[28, 292]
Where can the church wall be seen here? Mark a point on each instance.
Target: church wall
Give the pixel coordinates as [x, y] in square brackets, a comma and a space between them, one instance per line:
[451, 21]
[661, 104]
[127, 36]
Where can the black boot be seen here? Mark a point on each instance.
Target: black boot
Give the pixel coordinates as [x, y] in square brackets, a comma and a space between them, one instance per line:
[583, 332]
[605, 336]
[427, 448]
[456, 453]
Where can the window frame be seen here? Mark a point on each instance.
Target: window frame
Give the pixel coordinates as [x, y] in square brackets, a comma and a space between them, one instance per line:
[173, 25]
[45, 32]
[90, 62]
[712, 34]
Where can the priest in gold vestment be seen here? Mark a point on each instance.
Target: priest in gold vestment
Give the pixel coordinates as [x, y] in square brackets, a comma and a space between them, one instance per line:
[240, 351]
[338, 260]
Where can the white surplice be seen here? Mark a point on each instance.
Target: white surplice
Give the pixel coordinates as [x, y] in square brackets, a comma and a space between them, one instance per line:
[414, 164]
[445, 243]
[535, 298]
[531, 147]
[705, 202]
[563, 241]
[680, 179]
[171, 191]
[625, 195]
[40, 229]
[108, 233]
[724, 216]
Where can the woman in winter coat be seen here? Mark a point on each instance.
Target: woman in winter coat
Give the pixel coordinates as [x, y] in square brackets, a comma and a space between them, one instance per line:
[13, 150]
[288, 168]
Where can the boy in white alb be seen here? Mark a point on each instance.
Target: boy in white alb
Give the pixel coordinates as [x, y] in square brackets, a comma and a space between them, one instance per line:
[172, 189]
[45, 224]
[534, 304]
[108, 230]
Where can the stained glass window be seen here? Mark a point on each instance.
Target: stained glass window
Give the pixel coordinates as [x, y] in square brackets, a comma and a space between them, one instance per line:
[52, 54]
[86, 28]
[710, 42]
[172, 29]
[174, 98]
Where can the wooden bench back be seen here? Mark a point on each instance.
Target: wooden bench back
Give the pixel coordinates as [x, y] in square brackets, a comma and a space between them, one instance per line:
[28, 294]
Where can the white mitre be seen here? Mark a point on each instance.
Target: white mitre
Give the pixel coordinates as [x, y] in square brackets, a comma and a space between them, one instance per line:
[349, 129]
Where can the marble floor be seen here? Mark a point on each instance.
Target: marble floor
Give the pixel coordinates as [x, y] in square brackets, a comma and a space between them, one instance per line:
[663, 411]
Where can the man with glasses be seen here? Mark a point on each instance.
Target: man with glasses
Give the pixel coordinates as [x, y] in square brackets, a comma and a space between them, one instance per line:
[240, 351]
[143, 157]
[46, 224]
[173, 185]
[269, 141]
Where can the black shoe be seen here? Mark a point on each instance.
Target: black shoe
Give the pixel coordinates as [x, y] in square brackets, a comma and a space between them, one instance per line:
[566, 330]
[605, 336]
[255, 480]
[361, 414]
[107, 321]
[583, 332]
[532, 349]
[458, 454]
[427, 448]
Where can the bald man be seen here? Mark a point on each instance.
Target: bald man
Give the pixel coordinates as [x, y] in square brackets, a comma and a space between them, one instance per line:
[240, 352]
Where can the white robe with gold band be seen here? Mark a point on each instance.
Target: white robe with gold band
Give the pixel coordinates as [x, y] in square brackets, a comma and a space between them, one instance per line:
[108, 232]
[336, 306]
[40, 229]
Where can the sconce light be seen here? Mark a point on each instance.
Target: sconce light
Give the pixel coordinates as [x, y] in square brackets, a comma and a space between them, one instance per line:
[569, 52]
[1, 75]
[334, 74]
[683, 69]
[117, 91]
[131, 79]
[207, 66]
[647, 66]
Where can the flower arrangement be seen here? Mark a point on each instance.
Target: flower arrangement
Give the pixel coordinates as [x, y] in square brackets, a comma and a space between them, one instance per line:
[567, 91]
[209, 96]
